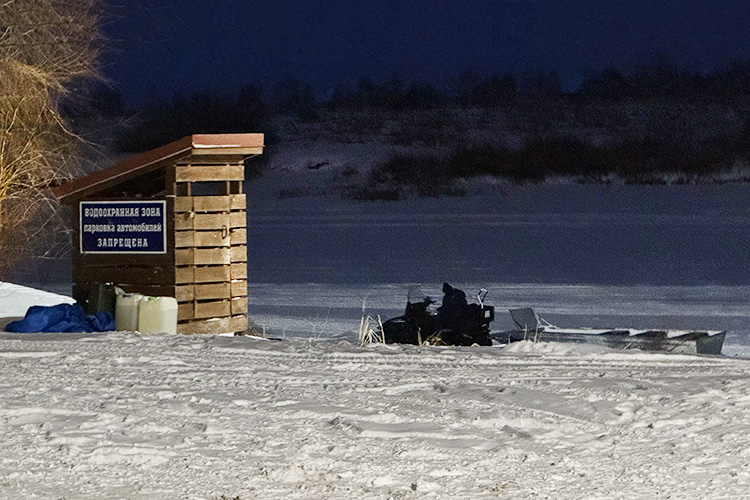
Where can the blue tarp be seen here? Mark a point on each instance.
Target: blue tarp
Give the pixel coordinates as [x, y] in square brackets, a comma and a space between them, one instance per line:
[61, 318]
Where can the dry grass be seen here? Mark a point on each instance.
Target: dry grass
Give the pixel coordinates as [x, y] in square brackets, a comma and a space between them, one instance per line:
[366, 334]
[370, 331]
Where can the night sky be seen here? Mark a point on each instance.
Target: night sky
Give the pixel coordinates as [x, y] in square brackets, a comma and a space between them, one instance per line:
[157, 48]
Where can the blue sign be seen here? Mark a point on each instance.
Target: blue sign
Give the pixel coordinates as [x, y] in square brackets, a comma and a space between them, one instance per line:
[117, 227]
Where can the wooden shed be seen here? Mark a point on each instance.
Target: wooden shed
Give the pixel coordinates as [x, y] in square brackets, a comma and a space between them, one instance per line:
[169, 222]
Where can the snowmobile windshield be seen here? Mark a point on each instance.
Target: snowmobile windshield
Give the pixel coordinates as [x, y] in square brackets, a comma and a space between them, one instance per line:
[416, 295]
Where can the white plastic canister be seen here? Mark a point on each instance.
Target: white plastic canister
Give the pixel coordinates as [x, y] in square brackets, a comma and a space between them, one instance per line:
[126, 311]
[157, 315]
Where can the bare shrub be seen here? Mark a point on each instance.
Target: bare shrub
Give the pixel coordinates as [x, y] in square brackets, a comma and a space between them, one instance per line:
[423, 175]
[44, 46]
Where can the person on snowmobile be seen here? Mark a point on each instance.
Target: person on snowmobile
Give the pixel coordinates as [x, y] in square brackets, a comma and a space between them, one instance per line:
[454, 302]
[451, 314]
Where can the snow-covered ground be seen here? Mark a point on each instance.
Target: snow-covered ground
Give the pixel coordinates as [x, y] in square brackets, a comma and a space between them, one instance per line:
[325, 311]
[16, 299]
[127, 416]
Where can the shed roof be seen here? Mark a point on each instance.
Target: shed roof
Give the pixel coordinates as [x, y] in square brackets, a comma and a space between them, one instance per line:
[196, 145]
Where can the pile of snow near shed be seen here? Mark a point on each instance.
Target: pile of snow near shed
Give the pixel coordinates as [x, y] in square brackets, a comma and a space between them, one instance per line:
[15, 300]
[123, 415]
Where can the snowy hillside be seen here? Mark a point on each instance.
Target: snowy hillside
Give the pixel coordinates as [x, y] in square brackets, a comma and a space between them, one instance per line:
[141, 417]
[348, 144]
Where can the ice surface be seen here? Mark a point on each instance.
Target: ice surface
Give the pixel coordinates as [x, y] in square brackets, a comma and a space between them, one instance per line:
[563, 234]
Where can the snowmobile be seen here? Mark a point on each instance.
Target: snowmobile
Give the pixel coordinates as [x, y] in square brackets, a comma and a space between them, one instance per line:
[455, 322]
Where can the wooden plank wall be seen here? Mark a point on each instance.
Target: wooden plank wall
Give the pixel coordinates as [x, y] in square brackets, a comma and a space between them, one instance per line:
[210, 252]
[205, 267]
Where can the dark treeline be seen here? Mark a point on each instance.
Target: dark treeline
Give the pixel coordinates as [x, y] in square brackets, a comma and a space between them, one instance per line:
[634, 161]
[471, 89]
[202, 112]
[251, 107]
[660, 81]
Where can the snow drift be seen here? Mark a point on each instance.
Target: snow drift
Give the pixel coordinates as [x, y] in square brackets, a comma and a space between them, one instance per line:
[121, 415]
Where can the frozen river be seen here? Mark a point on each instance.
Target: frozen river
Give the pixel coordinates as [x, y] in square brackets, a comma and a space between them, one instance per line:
[582, 255]
[569, 234]
[588, 255]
